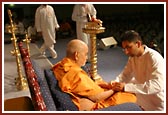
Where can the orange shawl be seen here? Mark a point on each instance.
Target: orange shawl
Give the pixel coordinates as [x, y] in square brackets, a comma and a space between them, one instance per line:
[75, 81]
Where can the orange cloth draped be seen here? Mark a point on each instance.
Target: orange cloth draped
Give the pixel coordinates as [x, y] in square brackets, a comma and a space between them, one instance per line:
[75, 81]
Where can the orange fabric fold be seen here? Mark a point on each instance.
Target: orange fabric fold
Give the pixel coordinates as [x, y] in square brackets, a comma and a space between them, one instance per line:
[75, 81]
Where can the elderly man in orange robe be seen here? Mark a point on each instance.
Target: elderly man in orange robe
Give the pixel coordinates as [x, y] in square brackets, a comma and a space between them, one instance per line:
[85, 93]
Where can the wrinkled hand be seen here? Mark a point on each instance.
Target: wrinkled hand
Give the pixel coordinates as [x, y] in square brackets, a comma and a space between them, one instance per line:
[117, 86]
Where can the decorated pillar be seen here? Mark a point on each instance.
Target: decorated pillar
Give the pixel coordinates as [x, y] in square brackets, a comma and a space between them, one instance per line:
[21, 82]
[93, 28]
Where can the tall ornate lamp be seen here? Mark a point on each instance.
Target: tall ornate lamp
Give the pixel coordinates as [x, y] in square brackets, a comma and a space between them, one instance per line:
[27, 40]
[21, 82]
[93, 28]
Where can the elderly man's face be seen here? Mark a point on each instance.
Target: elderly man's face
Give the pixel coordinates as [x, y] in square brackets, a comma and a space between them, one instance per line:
[82, 57]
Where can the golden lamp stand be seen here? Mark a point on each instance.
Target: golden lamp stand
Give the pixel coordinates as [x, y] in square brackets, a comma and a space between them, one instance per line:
[21, 82]
[27, 40]
[93, 30]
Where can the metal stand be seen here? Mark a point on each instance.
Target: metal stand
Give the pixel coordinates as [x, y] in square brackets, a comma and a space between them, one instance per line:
[27, 40]
[93, 68]
[21, 82]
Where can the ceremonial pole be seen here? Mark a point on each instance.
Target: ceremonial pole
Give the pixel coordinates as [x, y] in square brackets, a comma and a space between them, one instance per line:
[93, 29]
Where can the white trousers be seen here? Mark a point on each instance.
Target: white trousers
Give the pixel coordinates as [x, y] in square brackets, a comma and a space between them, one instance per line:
[50, 48]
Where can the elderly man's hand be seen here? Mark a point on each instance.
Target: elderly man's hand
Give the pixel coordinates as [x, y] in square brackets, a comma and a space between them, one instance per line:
[117, 86]
[105, 85]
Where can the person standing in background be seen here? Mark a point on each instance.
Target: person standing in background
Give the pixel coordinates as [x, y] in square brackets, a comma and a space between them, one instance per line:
[46, 25]
[20, 26]
[31, 32]
[82, 13]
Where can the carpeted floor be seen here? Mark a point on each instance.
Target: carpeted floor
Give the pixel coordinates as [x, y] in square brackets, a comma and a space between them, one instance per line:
[110, 61]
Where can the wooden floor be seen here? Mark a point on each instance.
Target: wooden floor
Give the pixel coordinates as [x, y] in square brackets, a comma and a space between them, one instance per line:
[18, 104]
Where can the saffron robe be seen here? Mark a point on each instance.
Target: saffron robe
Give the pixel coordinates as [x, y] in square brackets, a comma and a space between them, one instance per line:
[75, 81]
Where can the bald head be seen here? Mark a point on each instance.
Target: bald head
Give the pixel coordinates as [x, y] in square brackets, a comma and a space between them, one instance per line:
[75, 45]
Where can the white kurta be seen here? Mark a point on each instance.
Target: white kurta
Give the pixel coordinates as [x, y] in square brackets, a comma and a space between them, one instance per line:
[46, 22]
[80, 16]
[148, 72]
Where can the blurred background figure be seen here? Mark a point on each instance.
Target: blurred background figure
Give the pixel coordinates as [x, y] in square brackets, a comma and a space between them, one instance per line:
[82, 13]
[31, 32]
[20, 26]
[80, 16]
[46, 25]
[65, 29]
